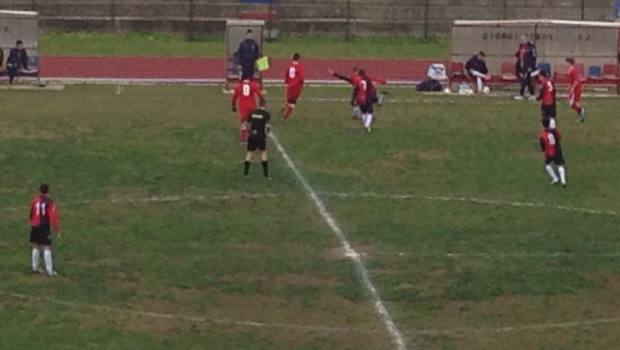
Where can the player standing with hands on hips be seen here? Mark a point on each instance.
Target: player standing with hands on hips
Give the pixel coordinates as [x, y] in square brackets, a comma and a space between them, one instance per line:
[43, 217]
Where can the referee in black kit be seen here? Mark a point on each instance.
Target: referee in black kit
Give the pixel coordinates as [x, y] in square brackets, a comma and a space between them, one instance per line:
[247, 54]
[257, 142]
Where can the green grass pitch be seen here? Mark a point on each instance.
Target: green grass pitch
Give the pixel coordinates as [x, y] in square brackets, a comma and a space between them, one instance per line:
[167, 246]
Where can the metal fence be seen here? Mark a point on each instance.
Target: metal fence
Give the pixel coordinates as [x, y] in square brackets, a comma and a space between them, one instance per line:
[345, 17]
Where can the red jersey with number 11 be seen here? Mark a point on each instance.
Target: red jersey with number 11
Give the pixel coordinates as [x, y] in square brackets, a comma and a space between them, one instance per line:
[43, 212]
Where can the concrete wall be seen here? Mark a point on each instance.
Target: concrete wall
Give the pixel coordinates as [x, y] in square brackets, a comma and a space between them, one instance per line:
[412, 17]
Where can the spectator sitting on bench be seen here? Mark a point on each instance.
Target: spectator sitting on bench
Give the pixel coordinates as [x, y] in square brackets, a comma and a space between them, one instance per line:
[476, 68]
[17, 63]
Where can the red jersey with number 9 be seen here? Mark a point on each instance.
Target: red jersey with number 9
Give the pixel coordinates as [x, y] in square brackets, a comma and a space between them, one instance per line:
[43, 212]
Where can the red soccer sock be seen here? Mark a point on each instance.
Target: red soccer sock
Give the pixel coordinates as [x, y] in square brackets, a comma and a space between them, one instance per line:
[288, 112]
[244, 134]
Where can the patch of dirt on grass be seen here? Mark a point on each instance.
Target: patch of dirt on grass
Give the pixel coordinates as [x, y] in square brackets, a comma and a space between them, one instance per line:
[432, 154]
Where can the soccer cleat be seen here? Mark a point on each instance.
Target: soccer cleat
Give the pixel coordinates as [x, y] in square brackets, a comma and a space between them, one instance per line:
[532, 98]
[369, 129]
[519, 98]
[563, 185]
[54, 273]
[554, 182]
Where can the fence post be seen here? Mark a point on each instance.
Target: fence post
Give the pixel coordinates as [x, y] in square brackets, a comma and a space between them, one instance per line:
[34, 5]
[113, 15]
[583, 9]
[505, 9]
[347, 35]
[191, 29]
[426, 19]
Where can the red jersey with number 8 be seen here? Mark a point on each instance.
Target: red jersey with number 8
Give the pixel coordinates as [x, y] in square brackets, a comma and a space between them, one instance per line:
[245, 97]
[43, 212]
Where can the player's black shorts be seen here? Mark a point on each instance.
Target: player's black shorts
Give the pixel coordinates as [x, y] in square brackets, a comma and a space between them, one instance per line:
[367, 108]
[257, 142]
[558, 159]
[548, 111]
[41, 235]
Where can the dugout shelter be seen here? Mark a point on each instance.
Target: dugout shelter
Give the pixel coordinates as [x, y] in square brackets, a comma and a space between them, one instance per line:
[235, 34]
[593, 44]
[21, 25]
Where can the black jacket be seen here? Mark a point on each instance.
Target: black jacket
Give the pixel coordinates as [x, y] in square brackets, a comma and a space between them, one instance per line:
[477, 64]
[248, 52]
[526, 57]
[18, 58]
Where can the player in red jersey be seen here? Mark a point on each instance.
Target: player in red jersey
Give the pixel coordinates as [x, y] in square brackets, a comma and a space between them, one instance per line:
[43, 218]
[354, 79]
[244, 101]
[576, 89]
[365, 98]
[551, 147]
[294, 81]
[547, 98]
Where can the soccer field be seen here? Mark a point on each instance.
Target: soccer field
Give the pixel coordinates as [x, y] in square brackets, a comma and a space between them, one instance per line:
[167, 246]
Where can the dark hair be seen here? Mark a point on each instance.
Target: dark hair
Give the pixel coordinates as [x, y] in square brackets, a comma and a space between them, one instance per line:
[44, 188]
[545, 123]
[482, 54]
[362, 72]
[249, 31]
[296, 56]
[570, 60]
[545, 73]
[19, 42]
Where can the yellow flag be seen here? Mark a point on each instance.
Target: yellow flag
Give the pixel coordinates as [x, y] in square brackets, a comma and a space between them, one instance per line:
[262, 63]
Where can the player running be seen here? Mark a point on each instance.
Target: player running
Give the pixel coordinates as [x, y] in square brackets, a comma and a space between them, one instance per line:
[244, 102]
[365, 98]
[550, 145]
[354, 79]
[259, 129]
[294, 81]
[547, 99]
[43, 217]
[575, 90]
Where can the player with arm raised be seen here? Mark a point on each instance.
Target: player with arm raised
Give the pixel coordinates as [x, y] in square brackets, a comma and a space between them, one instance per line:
[294, 81]
[244, 102]
[547, 99]
[575, 90]
[366, 97]
[353, 80]
[551, 147]
[257, 142]
[43, 217]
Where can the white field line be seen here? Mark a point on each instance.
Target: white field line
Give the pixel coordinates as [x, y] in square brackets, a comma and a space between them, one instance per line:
[474, 200]
[168, 316]
[509, 329]
[309, 328]
[162, 199]
[500, 255]
[349, 251]
[204, 198]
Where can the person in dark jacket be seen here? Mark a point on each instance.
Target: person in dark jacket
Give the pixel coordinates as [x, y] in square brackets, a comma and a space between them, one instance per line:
[526, 67]
[17, 61]
[477, 69]
[247, 54]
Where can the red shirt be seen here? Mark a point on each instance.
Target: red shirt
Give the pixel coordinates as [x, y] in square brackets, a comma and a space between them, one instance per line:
[547, 93]
[294, 75]
[43, 212]
[550, 142]
[246, 94]
[574, 75]
[365, 89]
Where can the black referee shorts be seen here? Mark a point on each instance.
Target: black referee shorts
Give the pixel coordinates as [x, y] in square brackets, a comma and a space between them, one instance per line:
[257, 142]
